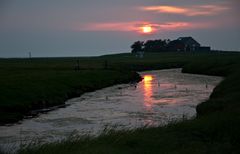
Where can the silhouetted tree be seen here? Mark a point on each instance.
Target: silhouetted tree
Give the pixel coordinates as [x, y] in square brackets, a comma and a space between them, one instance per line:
[155, 45]
[137, 46]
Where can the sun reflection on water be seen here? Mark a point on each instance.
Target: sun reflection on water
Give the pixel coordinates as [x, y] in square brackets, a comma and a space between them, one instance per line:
[148, 91]
[148, 78]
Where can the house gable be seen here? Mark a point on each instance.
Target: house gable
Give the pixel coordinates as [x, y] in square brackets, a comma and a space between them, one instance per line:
[189, 41]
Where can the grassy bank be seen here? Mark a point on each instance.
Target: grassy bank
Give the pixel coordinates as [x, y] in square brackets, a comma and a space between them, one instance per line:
[25, 87]
[30, 84]
[215, 130]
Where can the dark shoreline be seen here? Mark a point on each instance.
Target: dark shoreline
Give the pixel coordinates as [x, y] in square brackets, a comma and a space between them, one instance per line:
[44, 107]
[35, 113]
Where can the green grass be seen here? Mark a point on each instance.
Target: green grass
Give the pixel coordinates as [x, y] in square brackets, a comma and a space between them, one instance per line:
[28, 84]
[25, 87]
[215, 130]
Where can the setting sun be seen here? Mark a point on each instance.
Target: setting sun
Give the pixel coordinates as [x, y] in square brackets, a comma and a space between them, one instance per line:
[147, 29]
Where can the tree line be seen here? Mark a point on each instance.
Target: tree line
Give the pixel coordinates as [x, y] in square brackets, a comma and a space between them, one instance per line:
[151, 45]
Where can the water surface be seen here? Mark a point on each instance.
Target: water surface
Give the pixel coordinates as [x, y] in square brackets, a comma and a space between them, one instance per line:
[161, 97]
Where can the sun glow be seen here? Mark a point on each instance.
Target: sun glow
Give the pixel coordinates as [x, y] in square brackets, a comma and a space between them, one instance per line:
[147, 29]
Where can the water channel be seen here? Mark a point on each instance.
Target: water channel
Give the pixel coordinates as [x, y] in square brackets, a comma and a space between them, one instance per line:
[162, 96]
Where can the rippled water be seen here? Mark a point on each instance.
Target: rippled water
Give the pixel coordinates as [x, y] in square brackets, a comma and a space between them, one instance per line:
[163, 96]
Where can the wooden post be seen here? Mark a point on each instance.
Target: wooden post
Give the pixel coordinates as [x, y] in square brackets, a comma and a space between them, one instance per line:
[105, 64]
[30, 55]
[78, 65]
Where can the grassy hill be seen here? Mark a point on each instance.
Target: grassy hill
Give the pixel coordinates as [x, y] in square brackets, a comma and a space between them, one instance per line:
[215, 130]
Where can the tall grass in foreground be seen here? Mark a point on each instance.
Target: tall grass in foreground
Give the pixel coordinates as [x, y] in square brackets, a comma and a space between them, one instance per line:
[194, 136]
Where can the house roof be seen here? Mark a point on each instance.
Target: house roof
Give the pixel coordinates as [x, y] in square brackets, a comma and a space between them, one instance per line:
[175, 42]
[188, 41]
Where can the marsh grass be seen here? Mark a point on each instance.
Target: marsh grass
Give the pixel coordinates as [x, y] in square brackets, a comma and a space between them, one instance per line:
[23, 91]
[214, 130]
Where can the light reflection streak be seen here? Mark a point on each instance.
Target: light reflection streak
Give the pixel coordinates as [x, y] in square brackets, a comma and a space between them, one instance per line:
[148, 91]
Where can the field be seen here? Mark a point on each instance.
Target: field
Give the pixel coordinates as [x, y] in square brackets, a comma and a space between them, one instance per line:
[215, 130]
[41, 83]
[30, 84]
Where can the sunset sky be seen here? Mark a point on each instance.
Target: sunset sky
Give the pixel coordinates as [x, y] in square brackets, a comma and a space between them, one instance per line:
[97, 27]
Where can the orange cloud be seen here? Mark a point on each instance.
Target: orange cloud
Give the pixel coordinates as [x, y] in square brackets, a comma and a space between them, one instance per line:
[137, 26]
[165, 9]
[114, 26]
[200, 10]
